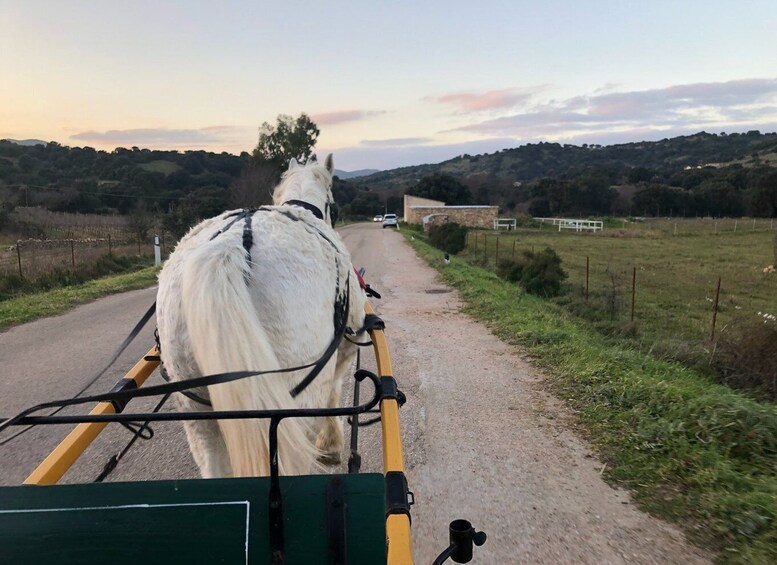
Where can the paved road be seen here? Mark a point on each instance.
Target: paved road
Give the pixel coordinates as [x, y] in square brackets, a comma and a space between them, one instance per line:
[482, 439]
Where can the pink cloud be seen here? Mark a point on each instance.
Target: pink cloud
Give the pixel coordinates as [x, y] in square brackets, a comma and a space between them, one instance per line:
[491, 100]
[334, 118]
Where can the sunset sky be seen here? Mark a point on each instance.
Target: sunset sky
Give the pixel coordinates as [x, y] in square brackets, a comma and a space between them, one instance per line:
[388, 83]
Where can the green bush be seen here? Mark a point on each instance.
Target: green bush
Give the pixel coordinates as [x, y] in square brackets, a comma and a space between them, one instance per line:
[746, 354]
[450, 237]
[538, 273]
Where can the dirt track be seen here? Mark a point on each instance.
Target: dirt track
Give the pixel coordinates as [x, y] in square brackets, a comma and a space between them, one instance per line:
[483, 441]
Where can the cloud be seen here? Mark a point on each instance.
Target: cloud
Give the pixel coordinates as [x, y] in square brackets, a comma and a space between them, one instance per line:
[679, 107]
[397, 142]
[335, 118]
[490, 100]
[166, 137]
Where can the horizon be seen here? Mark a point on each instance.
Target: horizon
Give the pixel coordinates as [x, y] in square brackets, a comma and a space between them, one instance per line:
[388, 86]
[182, 151]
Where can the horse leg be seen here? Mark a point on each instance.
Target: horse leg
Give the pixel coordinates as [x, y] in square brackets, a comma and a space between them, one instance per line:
[206, 443]
[330, 439]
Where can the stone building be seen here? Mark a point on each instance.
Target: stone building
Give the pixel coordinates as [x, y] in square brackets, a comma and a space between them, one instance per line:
[471, 216]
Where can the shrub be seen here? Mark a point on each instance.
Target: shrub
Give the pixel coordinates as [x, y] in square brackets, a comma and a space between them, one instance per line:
[538, 273]
[746, 355]
[450, 237]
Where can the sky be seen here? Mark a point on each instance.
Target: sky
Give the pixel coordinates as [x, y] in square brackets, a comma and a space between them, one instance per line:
[389, 84]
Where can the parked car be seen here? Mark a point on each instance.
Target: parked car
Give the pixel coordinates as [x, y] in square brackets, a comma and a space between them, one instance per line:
[390, 221]
[378, 218]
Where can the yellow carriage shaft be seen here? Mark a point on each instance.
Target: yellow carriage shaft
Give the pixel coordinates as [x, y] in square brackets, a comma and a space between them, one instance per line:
[400, 551]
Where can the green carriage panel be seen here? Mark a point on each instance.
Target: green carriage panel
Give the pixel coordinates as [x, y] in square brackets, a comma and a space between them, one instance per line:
[191, 521]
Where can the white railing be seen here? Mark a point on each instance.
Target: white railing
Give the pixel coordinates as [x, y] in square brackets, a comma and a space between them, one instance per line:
[573, 224]
[505, 223]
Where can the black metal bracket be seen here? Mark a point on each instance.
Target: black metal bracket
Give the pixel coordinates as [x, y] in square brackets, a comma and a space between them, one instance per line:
[462, 537]
[399, 498]
[119, 404]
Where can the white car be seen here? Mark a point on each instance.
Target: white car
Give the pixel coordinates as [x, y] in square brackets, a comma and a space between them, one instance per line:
[378, 218]
[390, 221]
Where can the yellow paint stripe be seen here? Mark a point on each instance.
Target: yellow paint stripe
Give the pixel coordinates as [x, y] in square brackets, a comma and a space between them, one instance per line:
[67, 452]
[400, 549]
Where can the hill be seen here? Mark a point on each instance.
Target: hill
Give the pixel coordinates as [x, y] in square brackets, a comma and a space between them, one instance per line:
[345, 175]
[533, 161]
[701, 174]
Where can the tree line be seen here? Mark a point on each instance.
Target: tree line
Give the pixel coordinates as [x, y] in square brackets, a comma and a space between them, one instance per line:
[686, 176]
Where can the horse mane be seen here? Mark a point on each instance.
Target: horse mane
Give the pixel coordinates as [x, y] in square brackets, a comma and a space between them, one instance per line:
[293, 177]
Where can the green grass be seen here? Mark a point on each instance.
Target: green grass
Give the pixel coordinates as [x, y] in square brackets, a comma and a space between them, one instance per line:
[160, 166]
[33, 306]
[691, 451]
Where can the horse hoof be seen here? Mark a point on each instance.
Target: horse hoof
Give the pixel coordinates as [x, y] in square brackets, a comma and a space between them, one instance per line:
[330, 459]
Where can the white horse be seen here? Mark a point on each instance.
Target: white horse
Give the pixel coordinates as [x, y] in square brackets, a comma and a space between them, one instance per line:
[256, 290]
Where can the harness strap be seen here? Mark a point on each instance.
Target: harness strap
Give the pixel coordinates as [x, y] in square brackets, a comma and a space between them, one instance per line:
[335, 343]
[307, 206]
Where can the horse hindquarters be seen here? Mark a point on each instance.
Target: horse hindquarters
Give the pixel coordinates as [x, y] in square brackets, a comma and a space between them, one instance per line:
[227, 335]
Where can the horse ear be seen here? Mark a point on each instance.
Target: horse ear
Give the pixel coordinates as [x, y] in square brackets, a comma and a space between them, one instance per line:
[329, 164]
[293, 164]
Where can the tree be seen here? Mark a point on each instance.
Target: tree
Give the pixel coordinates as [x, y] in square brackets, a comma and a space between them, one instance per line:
[290, 138]
[253, 188]
[442, 187]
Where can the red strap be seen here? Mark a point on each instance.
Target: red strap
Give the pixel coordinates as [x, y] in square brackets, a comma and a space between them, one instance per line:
[361, 280]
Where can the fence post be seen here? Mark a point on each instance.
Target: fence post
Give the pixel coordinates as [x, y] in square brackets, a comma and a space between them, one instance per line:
[496, 255]
[157, 251]
[735, 225]
[72, 255]
[485, 245]
[633, 291]
[715, 311]
[514, 249]
[586, 278]
[19, 256]
[110, 247]
[753, 224]
[138, 238]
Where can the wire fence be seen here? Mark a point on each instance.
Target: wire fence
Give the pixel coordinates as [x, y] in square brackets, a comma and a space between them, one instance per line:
[32, 258]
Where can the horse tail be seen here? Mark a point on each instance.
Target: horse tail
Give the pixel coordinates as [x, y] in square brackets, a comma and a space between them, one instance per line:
[227, 335]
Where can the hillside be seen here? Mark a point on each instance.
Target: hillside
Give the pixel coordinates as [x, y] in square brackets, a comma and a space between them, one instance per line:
[533, 161]
[701, 174]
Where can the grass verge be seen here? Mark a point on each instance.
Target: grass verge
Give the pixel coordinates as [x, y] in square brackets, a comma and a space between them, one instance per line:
[38, 305]
[691, 451]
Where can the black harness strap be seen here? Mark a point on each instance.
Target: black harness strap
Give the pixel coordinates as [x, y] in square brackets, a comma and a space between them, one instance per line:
[307, 206]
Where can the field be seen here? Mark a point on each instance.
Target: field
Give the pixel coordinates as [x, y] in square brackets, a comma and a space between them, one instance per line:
[52, 250]
[676, 278]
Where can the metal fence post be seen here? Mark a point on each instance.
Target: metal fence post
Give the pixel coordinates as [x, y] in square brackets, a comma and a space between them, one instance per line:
[19, 256]
[72, 255]
[715, 311]
[633, 291]
[586, 278]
